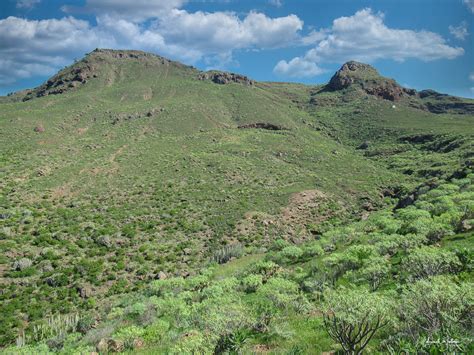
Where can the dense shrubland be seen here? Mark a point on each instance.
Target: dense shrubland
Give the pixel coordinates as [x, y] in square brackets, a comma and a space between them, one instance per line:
[401, 280]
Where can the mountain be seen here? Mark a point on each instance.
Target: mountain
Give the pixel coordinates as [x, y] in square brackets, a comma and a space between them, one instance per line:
[126, 173]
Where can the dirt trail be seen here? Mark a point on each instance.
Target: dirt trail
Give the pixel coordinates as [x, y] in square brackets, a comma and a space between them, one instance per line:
[115, 165]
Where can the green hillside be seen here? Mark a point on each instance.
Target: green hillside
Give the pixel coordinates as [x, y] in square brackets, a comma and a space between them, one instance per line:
[148, 206]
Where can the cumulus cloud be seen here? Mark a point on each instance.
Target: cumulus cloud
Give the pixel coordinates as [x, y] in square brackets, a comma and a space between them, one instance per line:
[460, 32]
[219, 32]
[297, 68]
[135, 10]
[31, 47]
[469, 4]
[313, 37]
[365, 37]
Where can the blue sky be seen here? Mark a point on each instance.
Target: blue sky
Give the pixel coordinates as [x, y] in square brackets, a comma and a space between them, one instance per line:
[420, 43]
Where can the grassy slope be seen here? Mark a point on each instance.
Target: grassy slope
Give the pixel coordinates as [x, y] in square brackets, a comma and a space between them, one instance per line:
[116, 203]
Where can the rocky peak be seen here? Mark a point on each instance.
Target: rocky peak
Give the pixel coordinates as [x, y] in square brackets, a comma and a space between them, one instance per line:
[369, 80]
[124, 54]
[89, 67]
[350, 73]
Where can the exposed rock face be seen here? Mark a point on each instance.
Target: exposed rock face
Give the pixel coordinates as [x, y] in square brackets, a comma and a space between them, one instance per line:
[350, 73]
[391, 91]
[63, 81]
[367, 78]
[223, 78]
[269, 126]
[451, 106]
[436, 102]
[430, 93]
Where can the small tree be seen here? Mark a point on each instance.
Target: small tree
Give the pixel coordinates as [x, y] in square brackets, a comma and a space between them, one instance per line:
[429, 261]
[375, 272]
[437, 306]
[353, 317]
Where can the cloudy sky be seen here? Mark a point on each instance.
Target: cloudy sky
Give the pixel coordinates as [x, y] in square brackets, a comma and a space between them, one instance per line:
[421, 43]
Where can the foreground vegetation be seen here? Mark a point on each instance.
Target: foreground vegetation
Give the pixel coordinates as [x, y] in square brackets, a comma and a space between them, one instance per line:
[399, 281]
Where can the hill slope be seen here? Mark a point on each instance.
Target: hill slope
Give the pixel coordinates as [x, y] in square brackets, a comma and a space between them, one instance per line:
[126, 166]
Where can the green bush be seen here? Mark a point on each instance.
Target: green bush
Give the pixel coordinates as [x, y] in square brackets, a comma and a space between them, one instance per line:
[354, 316]
[290, 254]
[155, 332]
[252, 282]
[436, 307]
[129, 334]
[429, 261]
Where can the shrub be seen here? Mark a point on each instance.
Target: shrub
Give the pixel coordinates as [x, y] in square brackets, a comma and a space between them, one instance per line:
[313, 249]
[224, 254]
[289, 254]
[375, 272]
[252, 282]
[267, 269]
[280, 244]
[155, 332]
[353, 317]
[129, 334]
[436, 307]
[429, 261]
[192, 342]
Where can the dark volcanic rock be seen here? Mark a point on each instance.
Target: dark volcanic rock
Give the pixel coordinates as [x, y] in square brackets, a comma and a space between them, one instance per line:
[65, 80]
[364, 145]
[369, 80]
[454, 107]
[39, 129]
[223, 78]
[350, 73]
[268, 126]
[430, 93]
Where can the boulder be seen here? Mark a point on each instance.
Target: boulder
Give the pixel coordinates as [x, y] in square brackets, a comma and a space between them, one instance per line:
[39, 129]
[22, 264]
[161, 276]
[84, 291]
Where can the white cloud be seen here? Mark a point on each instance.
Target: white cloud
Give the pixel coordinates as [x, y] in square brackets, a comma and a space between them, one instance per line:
[277, 3]
[471, 76]
[27, 4]
[469, 4]
[365, 37]
[30, 47]
[220, 32]
[297, 68]
[135, 10]
[313, 37]
[460, 32]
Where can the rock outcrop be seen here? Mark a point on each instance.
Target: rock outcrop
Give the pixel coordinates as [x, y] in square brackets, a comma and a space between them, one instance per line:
[261, 125]
[65, 80]
[220, 77]
[369, 80]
